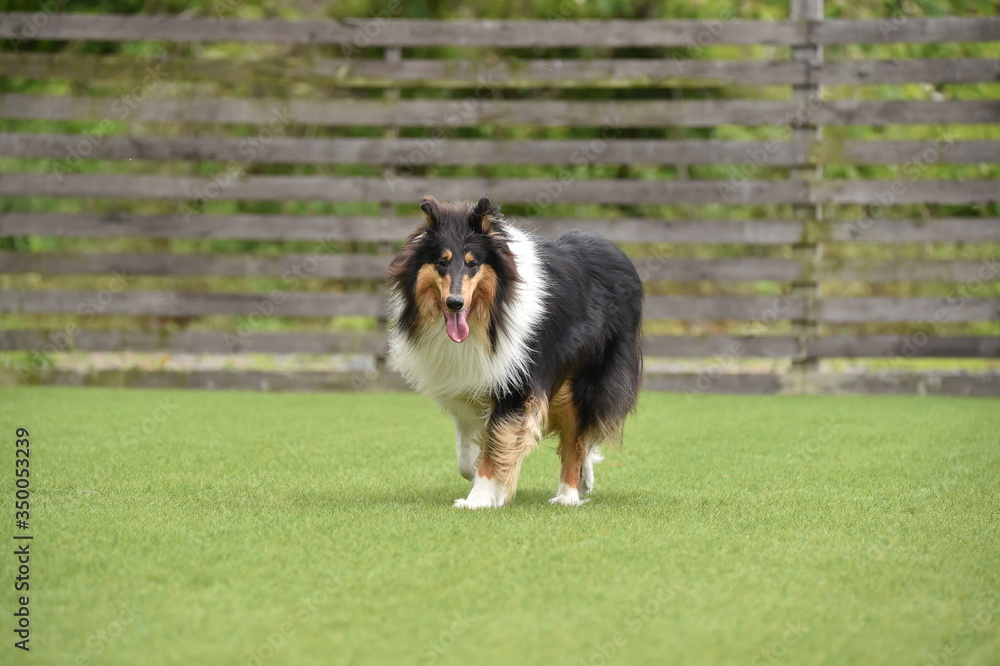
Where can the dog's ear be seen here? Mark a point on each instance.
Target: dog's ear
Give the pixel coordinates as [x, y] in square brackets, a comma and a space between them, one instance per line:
[483, 216]
[430, 207]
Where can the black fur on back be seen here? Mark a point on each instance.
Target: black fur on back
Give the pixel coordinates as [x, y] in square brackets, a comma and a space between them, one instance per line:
[592, 333]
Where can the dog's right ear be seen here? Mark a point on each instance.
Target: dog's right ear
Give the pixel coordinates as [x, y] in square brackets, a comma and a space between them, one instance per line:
[430, 207]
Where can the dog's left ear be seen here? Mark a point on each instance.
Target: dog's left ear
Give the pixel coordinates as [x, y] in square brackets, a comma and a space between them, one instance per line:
[430, 206]
[483, 216]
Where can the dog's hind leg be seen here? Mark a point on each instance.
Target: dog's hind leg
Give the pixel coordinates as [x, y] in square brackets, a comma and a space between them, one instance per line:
[573, 451]
[564, 417]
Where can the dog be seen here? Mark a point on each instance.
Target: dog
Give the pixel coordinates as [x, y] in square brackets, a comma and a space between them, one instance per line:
[516, 337]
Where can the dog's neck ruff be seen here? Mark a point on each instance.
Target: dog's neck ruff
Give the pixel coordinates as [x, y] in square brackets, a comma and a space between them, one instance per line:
[441, 369]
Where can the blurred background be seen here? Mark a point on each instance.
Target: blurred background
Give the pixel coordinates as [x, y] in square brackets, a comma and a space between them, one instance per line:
[206, 194]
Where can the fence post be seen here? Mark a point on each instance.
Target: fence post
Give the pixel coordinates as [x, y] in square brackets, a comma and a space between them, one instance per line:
[808, 251]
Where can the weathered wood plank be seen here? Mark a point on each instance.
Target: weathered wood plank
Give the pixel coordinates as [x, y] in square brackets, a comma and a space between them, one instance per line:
[732, 269]
[895, 383]
[269, 342]
[412, 152]
[695, 384]
[899, 383]
[900, 192]
[191, 304]
[404, 190]
[930, 151]
[907, 29]
[957, 308]
[423, 73]
[246, 380]
[311, 304]
[917, 345]
[417, 152]
[502, 73]
[915, 70]
[323, 264]
[387, 30]
[753, 308]
[511, 190]
[889, 231]
[909, 271]
[237, 227]
[193, 342]
[726, 347]
[292, 267]
[471, 112]
[321, 228]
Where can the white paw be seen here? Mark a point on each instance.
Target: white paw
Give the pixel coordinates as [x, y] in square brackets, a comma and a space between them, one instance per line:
[567, 496]
[485, 493]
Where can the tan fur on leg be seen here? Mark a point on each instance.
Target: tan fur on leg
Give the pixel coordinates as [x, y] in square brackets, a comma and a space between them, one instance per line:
[509, 441]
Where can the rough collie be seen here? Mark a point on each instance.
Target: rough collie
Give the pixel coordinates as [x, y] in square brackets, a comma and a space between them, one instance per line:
[516, 337]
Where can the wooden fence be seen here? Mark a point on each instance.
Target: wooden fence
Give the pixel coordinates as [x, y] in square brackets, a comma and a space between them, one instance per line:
[194, 201]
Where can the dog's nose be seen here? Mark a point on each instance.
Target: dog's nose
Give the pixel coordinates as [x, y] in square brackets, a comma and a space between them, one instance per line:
[454, 303]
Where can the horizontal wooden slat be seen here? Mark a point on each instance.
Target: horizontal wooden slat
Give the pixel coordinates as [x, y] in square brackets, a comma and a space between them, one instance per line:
[917, 345]
[895, 193]
[957, 308]
[907, 383]
[291, 266]
[191, 304]
[268, 342]
[909, 271]
[907, 29]
[687, 383]
[732, 269]
[725, 347]
[388, 30]
[324, 265]
[475, 113]
[408, 190]
[903, 152]
[887, 231]
[235, 227]
[511, 190]
[763, 308]
[916, 70]
[246, 380]
[698, 383]
[349, 266]
[72, 148]
[721, 347]
[193, 342]
[331, 228]
[441, 73]
[310, 304]
[424, 73]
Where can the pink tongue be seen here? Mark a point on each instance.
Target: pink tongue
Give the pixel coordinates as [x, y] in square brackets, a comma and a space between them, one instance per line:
[458, 328]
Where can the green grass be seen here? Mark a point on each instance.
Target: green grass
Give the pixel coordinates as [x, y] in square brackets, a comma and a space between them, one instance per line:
[730, 530]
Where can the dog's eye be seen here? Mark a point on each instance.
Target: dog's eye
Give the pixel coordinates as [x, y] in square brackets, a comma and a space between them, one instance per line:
[472, 265]
[443, 262]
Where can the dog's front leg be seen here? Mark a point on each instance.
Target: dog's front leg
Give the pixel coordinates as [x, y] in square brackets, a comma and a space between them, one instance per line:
[512, 432]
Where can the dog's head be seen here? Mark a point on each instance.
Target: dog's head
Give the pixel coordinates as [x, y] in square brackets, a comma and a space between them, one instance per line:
[456, 265]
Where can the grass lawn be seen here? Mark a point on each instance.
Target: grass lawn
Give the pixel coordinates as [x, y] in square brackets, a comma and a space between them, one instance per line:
[237, 528]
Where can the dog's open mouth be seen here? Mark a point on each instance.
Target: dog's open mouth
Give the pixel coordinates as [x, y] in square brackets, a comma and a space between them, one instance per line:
[456, 325]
